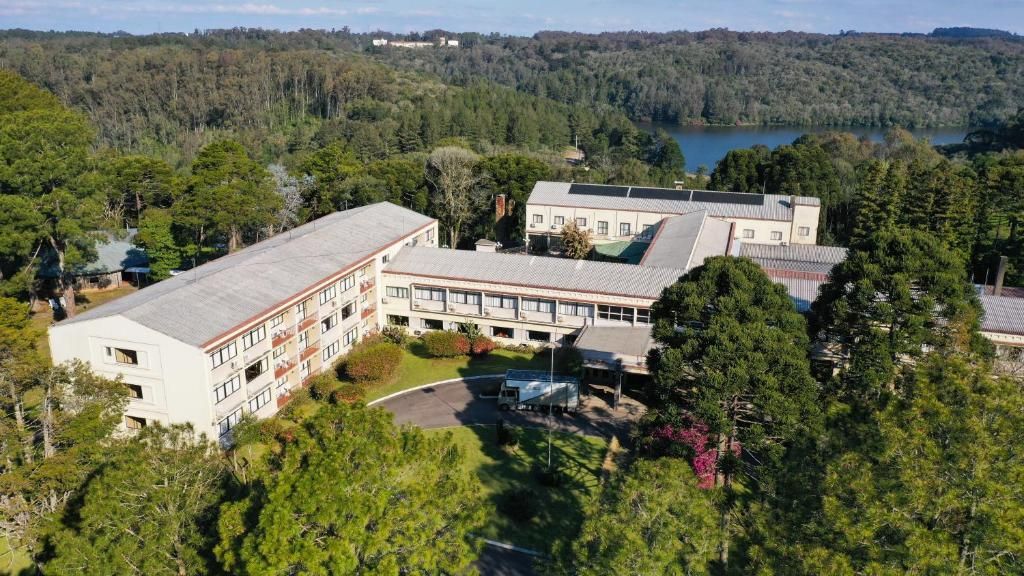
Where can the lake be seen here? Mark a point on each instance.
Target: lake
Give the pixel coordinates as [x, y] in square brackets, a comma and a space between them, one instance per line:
[708, 144]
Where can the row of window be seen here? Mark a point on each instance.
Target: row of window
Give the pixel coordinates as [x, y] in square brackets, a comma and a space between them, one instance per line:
[775, 235]
[496, 331]
[625, 228]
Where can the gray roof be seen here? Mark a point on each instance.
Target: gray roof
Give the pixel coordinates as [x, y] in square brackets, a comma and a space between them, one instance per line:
[1003, 314]
[624, 340]
[685, 241]
[772, 206]
[802, 291]
[534, 271]
[795, 257]
[199, 305]
[113, 255]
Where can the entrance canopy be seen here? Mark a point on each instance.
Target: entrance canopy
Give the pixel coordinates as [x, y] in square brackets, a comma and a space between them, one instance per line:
[616, 347]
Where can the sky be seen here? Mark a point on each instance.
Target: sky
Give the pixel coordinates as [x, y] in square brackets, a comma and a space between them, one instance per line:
[518, 17]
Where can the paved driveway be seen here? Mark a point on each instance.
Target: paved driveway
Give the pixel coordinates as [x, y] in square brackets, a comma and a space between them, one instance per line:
[466, 402]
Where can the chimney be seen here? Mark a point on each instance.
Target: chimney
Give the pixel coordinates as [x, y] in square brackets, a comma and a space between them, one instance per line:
[1000, 276]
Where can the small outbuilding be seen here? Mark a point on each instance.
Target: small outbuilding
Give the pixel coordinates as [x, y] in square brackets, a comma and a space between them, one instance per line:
[119, 261]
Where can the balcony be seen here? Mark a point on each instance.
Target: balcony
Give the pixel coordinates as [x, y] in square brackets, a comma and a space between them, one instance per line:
[281, 336]
[306, 323]
[309, 351]
[367, 312]
[365, 286]
[283, 367]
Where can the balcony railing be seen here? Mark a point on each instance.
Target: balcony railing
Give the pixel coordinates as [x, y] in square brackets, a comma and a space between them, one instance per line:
[367, 312]
[281, 336]
[309, 351]
[365, 285]
[306, 322]
[283, 367]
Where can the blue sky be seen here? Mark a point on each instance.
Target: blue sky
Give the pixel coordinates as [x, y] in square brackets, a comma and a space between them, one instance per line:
[515, 17]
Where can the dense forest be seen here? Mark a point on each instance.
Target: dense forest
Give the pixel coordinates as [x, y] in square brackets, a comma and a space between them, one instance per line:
[724, 77]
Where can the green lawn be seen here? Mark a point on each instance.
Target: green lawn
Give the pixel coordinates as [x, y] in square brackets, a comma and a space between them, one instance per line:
[418, 368]
[85, 301]
[560, 509]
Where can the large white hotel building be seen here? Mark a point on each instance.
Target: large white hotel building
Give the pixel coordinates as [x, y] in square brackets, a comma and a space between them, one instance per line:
[236, 335]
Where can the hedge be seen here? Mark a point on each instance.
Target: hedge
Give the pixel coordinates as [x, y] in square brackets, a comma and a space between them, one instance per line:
[373, 363]
[482, 345]
[446, 344]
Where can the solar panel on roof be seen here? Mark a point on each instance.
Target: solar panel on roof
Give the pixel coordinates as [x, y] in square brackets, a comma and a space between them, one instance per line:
[598, 190]
[727, 197]
[659, 194]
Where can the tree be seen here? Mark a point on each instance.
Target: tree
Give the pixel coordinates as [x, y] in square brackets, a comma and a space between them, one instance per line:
[935, 489]
[133, 183]
[156, 235]
[228, 193]
[455, 197]
[149, 509]
[576, 241]
[329, 168]
[664, 524]
[513, 175]
[352, 493]
[403, 180]
[740, 170]
[733, 357]
[897, 294]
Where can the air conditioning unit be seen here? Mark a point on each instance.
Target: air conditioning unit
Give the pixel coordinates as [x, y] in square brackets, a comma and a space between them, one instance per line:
[417, 332]
[522, 315]
[561, 319]
[451, 308]
[554, 226]
[383, 300]
[487, 311]
[533, 225]
[234, 364]
[417, 305]
[334, 303]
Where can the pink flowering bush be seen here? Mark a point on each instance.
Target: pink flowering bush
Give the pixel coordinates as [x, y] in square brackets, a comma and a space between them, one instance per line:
[703, 455]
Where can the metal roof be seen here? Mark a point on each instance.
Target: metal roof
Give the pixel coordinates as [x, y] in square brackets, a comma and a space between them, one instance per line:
[795, 257]
[685, 241]
[770, 206]
[534, 271]
[625, 340]
[1003, 314]
[199, 305]
[113, 255]
[802, 291]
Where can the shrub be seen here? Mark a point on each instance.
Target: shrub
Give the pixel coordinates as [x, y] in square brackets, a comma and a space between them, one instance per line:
[348, 394]
[508, 435]
[551, 477]
[299, 398]
[373, 363]
[519, 504]
[270, 429]
[482, 345]
[446, 344]
[321, 385]
[395, 335]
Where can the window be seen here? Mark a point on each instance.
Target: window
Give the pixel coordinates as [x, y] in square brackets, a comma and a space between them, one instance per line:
[502, 332]
[123, 355]
[348, 310]
[282, 381]
[460, 297]
[396, 292]
[331, 350]
[643, 316]
[258, 367]
[224, 354]
[581, 222]
[300, 310]
[394, 320]
[430, 235]
[134, 391]
[260, 400]
[230, 422]
[538, 218]
[350, 336]
[227, 388]
[303, 339]
[576, 309]
[364, 297]
[276, 321]
[748, 233]
[253, 337]
[328, 323]
[279, 351]
[134, 423]
[602, 227]
[559, 220]
[501, 301]
[776, 235]
[624, 229]
[646, 228]
[803, 231]
[535, 305]
[537, 336]
[384, 259]
[328, 294]
[615, 313]
[430, 294]
[348, 282]
[364, 271]
[430, 324]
